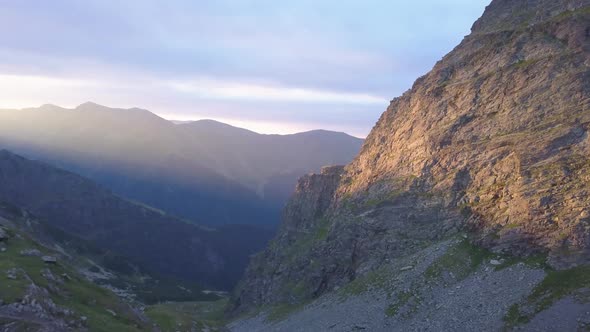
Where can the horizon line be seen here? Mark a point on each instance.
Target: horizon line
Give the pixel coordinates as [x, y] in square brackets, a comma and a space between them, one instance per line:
[235, 123]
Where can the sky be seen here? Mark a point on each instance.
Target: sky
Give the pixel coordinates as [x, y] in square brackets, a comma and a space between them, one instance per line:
[266, 65]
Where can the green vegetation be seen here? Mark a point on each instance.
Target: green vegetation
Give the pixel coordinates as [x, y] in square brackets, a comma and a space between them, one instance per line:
[464, 258]
[526, 63]
[511, 226]
[402, 299]
[72, 292]
[103, 310]
[306, 242]
[183, 316]
[555, 286]
[376, 202]
[151, 290]
[372, 280]
[322, 229]
[396, 187]
[558, 284]
[461, 260]
[514, 317]
[13, 290]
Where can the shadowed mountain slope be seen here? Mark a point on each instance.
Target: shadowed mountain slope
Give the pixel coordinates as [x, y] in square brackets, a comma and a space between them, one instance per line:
[205, 171]
[163, 244]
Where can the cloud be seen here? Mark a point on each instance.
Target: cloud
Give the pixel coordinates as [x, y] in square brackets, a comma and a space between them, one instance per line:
[215, 89]
[332, 63]
[21, 91]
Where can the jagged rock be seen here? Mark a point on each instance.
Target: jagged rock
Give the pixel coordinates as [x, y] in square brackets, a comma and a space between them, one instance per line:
[301, 218]
[311, 199]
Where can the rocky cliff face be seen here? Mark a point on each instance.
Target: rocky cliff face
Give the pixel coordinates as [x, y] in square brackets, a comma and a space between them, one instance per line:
[310, 201]
[493, 140]
[303, 224]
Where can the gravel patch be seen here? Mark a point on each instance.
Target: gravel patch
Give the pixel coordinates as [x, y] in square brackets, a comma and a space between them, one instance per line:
[476, 303]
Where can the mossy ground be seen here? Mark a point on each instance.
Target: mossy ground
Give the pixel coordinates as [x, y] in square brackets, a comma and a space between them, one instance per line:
[556, 285]
[460, 261]
[373, 280]
[184, 316]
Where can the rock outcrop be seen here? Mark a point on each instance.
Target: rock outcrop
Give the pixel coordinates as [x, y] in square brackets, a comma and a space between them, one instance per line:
[310, 201]
[493, 140]
[303, 224]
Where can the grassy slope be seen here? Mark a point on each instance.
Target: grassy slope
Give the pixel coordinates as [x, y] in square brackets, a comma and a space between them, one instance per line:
[185, 316]
[76, 293]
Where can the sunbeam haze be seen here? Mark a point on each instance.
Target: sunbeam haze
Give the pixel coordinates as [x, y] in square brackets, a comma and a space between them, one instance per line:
[320, 64]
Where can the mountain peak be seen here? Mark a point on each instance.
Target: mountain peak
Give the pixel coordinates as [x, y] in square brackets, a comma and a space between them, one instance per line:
[320, 132]
[89, 105]
[49, 106]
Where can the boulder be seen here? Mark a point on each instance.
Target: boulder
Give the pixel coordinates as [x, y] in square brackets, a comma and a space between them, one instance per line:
[12, 274]
[49, 259]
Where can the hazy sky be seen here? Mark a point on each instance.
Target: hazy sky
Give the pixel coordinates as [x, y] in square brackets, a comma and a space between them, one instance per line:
[272, 66]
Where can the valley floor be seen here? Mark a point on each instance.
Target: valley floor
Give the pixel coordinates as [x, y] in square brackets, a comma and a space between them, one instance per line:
[450, 286]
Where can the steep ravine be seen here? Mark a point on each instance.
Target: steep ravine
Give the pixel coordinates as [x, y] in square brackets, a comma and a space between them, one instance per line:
[492, 142]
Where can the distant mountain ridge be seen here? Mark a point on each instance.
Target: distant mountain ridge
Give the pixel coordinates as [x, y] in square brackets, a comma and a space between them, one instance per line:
[252, 156]
[206, 171]
[213, 257]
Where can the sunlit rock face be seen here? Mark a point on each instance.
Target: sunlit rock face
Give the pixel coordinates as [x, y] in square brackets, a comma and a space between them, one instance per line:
[493, 140]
